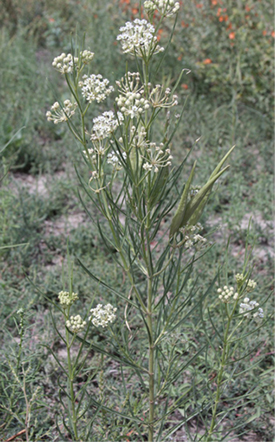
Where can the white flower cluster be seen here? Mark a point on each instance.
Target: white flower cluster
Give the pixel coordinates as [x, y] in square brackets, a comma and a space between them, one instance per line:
[250, 286]
[156, 157]
[59, 114]
[86, 56]
[160, 99]
[95, 88]
[226, 294]
[103, 315]
[113, 159]
[131, 101]
[75, 323]
[105, 125]
[192, 237]
[165, 7]
[67, 298]
[138, 39]
[246, 306]
[65, 63]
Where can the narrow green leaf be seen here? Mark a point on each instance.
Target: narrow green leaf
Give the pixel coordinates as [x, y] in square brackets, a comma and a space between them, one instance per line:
[219, 166]
[103, 284]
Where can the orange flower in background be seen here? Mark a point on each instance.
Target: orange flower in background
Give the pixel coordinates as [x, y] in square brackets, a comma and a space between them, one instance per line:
[180, 57]
[264, 33]
[232, 35]
[273, 34]
[220, 18]
[214, 2]
[247, 8]
[184, 25]
[199, 5]
[134, 11]
[160, 31]
[229, 27]
[51, 20]
[207, 61]
[225, 18]
[219, 11]
[184, 86]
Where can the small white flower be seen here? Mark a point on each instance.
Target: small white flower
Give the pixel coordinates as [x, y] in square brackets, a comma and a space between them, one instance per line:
[156, 157]
[103, 315]
[247, 306]
[165, 7]
[113, 159]
[65, 63]
[75, 323]
[138, 39]
[59, 114]
[95, 88]
[161, 98]
[67, 298]
[193, 239]
[105, 125]
[131, 100]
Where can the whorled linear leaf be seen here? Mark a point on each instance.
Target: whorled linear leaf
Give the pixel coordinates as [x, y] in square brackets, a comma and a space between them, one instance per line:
[179, 215]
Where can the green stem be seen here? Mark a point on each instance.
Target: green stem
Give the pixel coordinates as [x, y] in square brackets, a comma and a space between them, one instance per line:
[151, 364]
[221, 370]
[71, 385]
[150, 333]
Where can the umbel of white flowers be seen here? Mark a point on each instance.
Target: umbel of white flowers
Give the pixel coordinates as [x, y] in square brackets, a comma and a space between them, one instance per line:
[75, 323]
[165, 7]
[102, 315]
[138, 39]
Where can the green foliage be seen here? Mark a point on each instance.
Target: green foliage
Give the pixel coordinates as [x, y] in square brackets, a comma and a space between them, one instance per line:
[230, 103]
[228, 48]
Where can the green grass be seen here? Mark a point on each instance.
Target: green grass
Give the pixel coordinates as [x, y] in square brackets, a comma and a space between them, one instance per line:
[52, 221]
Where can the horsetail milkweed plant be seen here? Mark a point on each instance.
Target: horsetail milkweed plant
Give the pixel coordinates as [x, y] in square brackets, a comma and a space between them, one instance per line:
[156, 234]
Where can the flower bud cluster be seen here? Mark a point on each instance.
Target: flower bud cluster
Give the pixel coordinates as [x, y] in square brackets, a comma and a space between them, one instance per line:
[75, 323]
[105, 125]
[86, 56]
[227, 294]
[156, 157]
[158, 98]
[95, 88]
[165, 7]
[246, 306]
[65, 63]
[67, 298]
[103, 315]
[131, 101]
[138, 39]
[57, 114]
[240, 279]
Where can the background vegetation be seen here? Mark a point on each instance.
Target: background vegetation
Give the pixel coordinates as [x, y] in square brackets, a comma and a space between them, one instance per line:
[228, 98]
